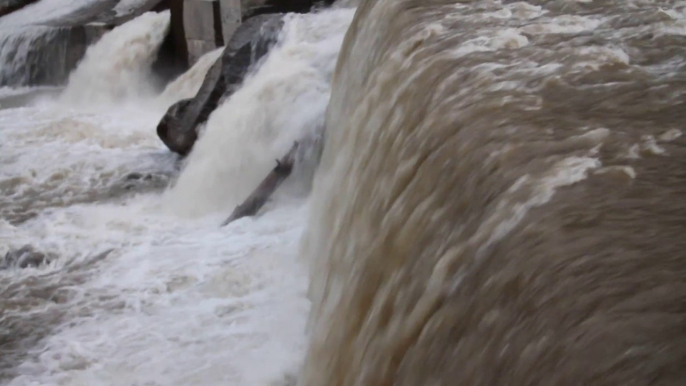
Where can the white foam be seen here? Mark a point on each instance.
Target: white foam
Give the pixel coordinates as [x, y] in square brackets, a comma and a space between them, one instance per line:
[42, 12]
[285, 99]
[117, 67]
[565, 24]
[501, 39]
[510, 213]
[176, 302]
[670, 135]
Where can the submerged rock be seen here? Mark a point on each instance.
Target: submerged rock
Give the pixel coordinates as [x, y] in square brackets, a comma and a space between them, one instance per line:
[25, 257]
[178, 129]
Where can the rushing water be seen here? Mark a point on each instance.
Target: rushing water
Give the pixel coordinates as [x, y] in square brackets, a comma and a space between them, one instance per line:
[30, 38]
[134, 293]
[500, 198]
[118, 68]
[500, 201]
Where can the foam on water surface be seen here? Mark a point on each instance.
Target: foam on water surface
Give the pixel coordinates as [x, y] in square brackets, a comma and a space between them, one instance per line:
[138, 295]
[282, 101]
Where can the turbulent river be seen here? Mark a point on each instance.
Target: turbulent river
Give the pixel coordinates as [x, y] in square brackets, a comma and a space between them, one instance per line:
[143, 286]
[499, 201]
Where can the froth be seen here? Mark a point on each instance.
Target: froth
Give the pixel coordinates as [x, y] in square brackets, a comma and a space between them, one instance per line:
[117, 67]
[282, 101]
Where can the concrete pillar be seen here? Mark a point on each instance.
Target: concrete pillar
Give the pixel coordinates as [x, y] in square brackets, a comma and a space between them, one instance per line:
[230, 11]
[202, 27]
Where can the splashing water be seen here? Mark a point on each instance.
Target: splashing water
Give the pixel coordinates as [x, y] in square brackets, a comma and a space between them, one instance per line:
[492, 206]
[283, 100]
[117, 68]
[135, 294]
[473, 151]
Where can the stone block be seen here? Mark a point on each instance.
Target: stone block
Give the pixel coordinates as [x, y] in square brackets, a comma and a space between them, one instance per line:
[230, 12]
[202, 21]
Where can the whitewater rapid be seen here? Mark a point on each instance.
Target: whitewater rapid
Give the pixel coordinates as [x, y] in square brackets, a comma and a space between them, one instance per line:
[141, 293]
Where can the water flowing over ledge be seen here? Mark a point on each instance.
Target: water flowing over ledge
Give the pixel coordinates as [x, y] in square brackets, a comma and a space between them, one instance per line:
[131, 292]
[500, 197]
[500, 201]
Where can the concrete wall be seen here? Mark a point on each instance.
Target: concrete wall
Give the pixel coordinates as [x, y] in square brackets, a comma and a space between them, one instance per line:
[208, 24]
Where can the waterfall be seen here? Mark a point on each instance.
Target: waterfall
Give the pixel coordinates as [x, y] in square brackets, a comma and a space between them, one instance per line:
[285, 98]
[32, 37]
[118, 67]
[491, 208]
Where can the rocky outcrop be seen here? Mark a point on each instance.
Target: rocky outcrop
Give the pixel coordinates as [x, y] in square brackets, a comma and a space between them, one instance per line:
[25, 257]
[178, 129]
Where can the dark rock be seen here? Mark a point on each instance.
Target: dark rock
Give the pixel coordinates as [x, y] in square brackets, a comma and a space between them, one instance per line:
[178, 129]
[231, 15]
[134, 176]
[260, 7]
[25, 257]
[178, 138]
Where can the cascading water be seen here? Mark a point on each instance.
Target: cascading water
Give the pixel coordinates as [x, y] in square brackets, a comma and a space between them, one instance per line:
[188, 84]
[133, 293]
[31, 37]
[285, 99]
[499, 202]
[500, 198]
[118, 67]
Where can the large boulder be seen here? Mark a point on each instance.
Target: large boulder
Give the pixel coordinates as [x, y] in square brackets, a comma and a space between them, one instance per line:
[178, 129]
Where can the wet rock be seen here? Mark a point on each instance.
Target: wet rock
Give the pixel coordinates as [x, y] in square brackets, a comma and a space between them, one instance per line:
[178, 137]
[178, 129]
[25, 257]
